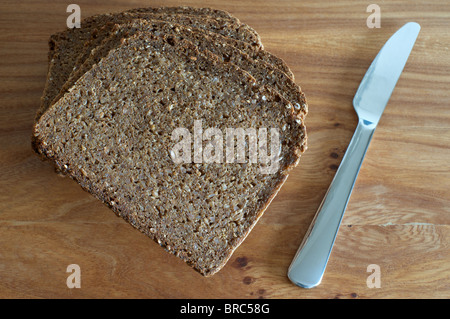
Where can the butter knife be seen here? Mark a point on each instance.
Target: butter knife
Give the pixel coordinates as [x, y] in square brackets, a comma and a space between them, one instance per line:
[308, 266]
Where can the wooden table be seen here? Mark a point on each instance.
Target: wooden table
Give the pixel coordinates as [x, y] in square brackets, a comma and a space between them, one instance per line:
[398, 217]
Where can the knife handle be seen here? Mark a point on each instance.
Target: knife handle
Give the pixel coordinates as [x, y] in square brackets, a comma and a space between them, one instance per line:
[310, 261]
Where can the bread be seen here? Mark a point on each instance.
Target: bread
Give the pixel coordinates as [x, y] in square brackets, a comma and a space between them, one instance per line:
[253, 51]
[113, 134]
[263, 72]
[202, 12]
[65, 46]
[213, 13]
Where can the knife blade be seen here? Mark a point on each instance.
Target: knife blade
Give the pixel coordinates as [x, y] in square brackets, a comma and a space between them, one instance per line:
[310, 261]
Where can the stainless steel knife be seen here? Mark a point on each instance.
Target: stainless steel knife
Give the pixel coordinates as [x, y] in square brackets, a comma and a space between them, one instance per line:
[310, 261]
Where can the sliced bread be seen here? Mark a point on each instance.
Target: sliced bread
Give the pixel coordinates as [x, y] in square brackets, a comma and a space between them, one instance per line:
[213, 13]
[205, 12]
[254, 52]
[67, 45]
[113, 134]
[263, 72]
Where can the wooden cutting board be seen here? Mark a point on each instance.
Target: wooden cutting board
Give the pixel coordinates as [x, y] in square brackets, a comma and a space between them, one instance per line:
[398, 217]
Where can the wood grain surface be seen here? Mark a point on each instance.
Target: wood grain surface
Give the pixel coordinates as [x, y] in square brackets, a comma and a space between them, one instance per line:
[398, 216]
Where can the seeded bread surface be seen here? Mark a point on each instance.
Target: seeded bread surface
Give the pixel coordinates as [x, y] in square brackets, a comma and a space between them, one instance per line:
[112, 134]
[263, 72]
[65, 46]
[186, 10]
[254, 52]
[213, 13]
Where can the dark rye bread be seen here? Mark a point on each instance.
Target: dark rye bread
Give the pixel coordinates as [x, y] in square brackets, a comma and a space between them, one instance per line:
[209, 12]
[264, 73]
[255, 53]
[213, 13]
[112, 133]
[68, 44]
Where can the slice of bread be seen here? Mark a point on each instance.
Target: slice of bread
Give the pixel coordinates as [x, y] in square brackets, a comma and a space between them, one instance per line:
[254, 52]
[113, 133]
[213, 13]
[205, 12]
[67, 45]
[263, 72]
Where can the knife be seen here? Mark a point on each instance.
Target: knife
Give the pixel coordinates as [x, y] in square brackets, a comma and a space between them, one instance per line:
[308, 266]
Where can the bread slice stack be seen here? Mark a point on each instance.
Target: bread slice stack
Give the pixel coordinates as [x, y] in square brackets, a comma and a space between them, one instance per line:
[150, 110]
